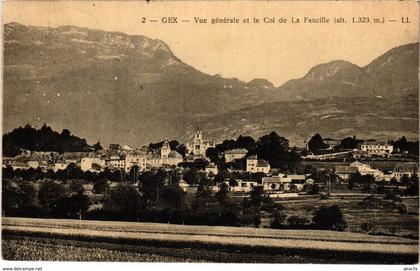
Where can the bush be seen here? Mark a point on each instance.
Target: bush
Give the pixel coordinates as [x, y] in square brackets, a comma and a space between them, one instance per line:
[367, 226]
[278, 220]
[297, 222]
[325, 196]
[402, 208]
[329, 218]
[392, 197]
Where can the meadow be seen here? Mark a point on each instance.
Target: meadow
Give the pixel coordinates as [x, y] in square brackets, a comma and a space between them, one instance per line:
[226, 244]
[381, 216]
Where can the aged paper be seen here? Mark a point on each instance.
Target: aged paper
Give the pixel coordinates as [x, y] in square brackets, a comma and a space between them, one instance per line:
[210, 131]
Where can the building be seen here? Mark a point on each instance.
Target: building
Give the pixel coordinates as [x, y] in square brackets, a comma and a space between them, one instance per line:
[274, 184]
[90, 163]
[127, 148]
[168, 156]
[255, 165]
[59, 165]
[165, 157]
[365, 169]
[199, 146]
[211, 168]
[116, 162]
[114, 147]
[376, 148]
[234, 154]
[32, 163]
[242, 186]
[135, 158]
[345, 172]
[19, 165]
[283, 182]
[183, 185]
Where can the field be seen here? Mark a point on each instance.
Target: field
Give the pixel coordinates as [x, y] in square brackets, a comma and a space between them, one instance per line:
[382, 216]
[381, 165]
[54, 239]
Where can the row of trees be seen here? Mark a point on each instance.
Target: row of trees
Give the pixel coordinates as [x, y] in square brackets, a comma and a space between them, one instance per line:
[272, 148]
[368, 184]
[157, 197]
[51, 199]
[43, 139]
[316, 143]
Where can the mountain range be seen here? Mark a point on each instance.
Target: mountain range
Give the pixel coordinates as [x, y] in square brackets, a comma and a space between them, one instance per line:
[132, 89]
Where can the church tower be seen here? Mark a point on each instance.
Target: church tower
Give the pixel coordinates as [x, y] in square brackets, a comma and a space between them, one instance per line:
[165, 150]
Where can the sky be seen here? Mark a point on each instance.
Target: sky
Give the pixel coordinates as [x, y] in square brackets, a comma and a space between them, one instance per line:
[277, 52]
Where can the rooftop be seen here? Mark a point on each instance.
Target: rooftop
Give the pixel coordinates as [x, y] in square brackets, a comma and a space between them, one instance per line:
[345, 170]
[236, 151]
[262, 163]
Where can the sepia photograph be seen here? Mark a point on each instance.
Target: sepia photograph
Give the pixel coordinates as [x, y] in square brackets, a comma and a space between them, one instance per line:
[277, 132]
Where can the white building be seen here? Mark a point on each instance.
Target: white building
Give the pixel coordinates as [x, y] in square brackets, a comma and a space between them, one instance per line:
[87, 163]
[211, 168]
[345, 172]
[135, 158]
[234, 154]
[32, 163]
[255, 165]
[243, 186]
[365, 169]
[376, 148]
[117, 162]
[59, 166]
[283, 182]
[199, 146]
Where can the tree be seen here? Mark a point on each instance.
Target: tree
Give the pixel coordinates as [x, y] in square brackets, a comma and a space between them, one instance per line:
[329, 218]
[316, 143]
[313, 189]
[101, 186]
[76, 186]
[44, 139]
[257, 196]
[413, 185]
[349, 143]
[297, 222]
[367, 182]
[213, 155]
[275, 150]
[181, 149]
[233, 182]
[172, 196]
[222, 195]
[72, 207]
[125, 203]
[97, 146]
[278, 219]
[49, 195]
[10, 197]
[353, 180]
[151, 183]
[245, 142]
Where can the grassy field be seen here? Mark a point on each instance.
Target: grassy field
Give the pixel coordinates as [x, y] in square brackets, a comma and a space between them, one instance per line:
[383, 217]
[227, 244]
[381, 165]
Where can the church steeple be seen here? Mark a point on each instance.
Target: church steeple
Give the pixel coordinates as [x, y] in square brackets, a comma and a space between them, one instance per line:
[165, 150]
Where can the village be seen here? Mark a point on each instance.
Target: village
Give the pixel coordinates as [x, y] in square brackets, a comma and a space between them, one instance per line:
[252, 171]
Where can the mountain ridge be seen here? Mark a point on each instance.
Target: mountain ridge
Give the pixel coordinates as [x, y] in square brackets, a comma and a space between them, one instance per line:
[133, 89]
